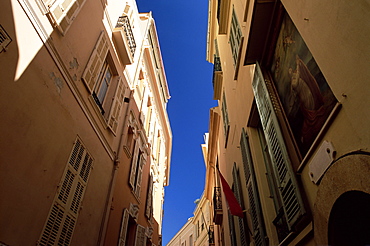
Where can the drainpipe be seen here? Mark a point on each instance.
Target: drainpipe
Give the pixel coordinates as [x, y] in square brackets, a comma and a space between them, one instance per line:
[108, 202]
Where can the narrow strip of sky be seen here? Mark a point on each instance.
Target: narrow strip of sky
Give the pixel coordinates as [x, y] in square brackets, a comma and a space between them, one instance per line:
[182, 32]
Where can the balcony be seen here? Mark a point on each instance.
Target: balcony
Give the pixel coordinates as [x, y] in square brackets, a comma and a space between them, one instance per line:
[211, 235]
[124, 40]
[217, 78]
[217, 206]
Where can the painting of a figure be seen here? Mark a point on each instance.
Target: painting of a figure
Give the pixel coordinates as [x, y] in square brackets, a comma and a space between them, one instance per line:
[306, 97]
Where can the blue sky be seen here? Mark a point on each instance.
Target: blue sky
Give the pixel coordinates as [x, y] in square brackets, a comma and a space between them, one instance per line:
[182, 32]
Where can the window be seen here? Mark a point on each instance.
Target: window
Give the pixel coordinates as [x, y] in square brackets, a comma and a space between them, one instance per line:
[61, 13]
[235, 38]
[258, 228]
[131, 234]
[106, 87]
[63, 215]
[238, 195]
[149, 199]
[137, 164]
[283, 174]
[225, 117]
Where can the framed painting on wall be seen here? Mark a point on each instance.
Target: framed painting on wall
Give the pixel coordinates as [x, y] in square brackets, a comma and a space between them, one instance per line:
[305, 95]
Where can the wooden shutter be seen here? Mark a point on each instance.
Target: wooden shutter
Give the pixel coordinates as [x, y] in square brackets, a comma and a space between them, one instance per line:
[139, 174]
[65, 209]
[116, 106]
[96, 61]
[238, 195]
[266, 101]
[149, 199]
[259, 231]
[124, 226]
[140, 239]
[62, 13]
[134, 165]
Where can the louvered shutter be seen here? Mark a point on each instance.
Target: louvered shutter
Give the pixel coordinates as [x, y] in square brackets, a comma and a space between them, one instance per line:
[96, 61]
[266, 101]
[140, 239]
[259, 231]
[237, 188]
[149, 199]
[63, 13]
[64, 212]
[139, 175]
[134, 165]
[123, 231]
[116, 106]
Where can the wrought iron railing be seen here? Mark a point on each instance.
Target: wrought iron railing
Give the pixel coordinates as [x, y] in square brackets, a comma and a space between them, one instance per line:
[217, 202]
[216, 67]
[211, 235]
[124, 22]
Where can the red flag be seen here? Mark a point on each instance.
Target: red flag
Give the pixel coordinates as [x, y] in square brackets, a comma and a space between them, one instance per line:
[234, 205]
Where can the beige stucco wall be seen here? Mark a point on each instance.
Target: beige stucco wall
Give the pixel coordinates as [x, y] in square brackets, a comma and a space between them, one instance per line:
[337, 34]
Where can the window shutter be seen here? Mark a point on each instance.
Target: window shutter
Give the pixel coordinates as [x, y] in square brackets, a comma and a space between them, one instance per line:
[238, 195]
[225, 115]
[64, 212]
[123, 231]
[149, 200]
[96, 61]
[134, 165]
[63, 13]
[259, 232]
[288, 188]
[116, 106]
[139, 174]
[140, 236]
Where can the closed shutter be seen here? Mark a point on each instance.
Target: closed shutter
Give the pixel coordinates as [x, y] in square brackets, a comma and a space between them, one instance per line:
[140, 239]
[96, 61]
[238, 195]
[124, 226]
[63, 215]
[259, 231]
[134, 165]
[149, 199]
[116, 106]
[266, 101]
[63, 13]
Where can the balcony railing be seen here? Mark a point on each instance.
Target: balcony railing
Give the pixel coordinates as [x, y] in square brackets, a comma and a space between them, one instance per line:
[125, 40]
[217, 78]
[124, 22]
[217, 206]
[211, 235]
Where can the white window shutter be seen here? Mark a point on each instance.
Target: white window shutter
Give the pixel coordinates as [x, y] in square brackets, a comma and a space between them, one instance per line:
[288, 188]
[139, 175]
[134, 165]
[116, 106]
[124, 226]
[96, 61]
[238, 195]
[63, 214]
[140, 236]
[149, 199]
[259, 231]
[62, 13]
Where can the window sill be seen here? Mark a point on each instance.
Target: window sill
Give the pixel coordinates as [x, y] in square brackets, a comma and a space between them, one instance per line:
[97, 110]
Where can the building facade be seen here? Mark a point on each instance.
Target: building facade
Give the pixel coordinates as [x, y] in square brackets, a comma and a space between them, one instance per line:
[77, 144]
[290, 131]
[198, 230]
